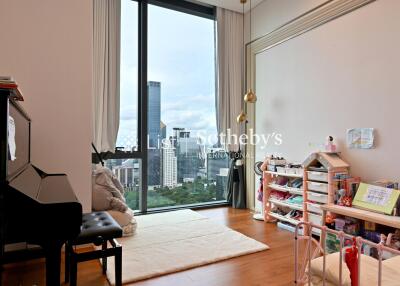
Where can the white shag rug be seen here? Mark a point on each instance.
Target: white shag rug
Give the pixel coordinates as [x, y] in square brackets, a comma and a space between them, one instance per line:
[175, 241]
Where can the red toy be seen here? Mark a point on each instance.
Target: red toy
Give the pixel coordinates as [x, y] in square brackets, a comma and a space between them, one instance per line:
[351, 259]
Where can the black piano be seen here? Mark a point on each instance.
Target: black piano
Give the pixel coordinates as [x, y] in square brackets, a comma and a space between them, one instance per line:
[36, 208]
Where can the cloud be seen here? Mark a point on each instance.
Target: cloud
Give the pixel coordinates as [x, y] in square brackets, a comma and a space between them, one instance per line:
[128, 112]
[181, 56]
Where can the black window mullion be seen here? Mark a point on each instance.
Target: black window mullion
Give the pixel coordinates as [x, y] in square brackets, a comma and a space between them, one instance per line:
[186, 7]
[143, 102]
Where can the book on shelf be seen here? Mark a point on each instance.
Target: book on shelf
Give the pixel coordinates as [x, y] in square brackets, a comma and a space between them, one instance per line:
[376, 198]
[5, 85]
[7, 82]
[6, 77]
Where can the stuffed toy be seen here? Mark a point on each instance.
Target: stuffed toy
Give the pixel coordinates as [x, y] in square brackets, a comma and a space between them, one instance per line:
[108, 195]
[351, 259]
[330, 145]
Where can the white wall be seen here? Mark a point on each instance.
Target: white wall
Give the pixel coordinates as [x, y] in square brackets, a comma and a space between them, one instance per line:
[342, 75]
[46, 46]
[271, 14]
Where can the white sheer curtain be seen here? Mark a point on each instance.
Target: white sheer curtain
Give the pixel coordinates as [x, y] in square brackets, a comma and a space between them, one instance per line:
[106, 59]
[230, 72]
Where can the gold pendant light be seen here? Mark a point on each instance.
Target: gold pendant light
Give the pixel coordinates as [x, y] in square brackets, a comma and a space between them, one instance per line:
[250, 96]
[241, 117]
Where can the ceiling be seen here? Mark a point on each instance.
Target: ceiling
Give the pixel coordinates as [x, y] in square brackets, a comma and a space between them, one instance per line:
[234, 5]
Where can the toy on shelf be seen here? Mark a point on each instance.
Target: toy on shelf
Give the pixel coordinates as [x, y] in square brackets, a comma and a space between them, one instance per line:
[393, 240]
[329, 145]
[346, 189]
[387, 184]
[370, 226]
[276, 160]
[330, 221]
[344, 200]
[348, 225]
[273, 163]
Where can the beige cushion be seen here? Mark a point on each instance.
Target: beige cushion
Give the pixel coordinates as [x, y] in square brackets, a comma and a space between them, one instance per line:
[126, 220]
[393, 263]
[122, 218]
[369, 271]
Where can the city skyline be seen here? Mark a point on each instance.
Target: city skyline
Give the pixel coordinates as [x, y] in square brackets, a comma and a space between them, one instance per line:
[180, 160]
[175, 159]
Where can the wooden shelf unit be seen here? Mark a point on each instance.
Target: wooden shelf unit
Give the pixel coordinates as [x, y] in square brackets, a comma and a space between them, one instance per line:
[392, 221]
[267, 201]
[331, 164]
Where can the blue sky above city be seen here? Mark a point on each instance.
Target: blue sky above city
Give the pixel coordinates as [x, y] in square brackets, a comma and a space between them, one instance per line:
[181, 57]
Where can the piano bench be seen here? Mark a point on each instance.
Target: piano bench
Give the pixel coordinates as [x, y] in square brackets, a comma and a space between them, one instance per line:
[98, 228]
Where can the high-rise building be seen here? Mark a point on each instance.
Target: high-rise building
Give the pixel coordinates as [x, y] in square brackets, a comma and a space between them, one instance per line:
[217, 171]
[112, 163]
[217, 159]
[177, 133]
[128, 173]
[221, 186]
[169, 165]
[154, 133]
[154, 113]
[163, 130]
[189, 156]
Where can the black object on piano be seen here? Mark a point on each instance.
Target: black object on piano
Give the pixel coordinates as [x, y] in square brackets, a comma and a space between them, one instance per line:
[35, 207]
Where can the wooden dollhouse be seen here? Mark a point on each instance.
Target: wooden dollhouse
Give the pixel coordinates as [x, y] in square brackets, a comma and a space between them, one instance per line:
[321, 172]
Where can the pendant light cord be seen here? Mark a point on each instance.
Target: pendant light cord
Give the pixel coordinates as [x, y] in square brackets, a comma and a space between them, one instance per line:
[244, 55]
[251, 72]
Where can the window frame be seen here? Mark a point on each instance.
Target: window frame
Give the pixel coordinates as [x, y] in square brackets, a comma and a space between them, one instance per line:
[205, 11]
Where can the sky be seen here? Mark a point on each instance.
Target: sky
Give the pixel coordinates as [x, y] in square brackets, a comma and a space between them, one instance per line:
[181, 57]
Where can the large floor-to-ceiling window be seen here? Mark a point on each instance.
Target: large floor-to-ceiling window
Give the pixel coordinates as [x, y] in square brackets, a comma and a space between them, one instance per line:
[168, 153]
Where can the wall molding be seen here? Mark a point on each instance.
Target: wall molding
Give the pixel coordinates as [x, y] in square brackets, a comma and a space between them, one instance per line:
[308, 21]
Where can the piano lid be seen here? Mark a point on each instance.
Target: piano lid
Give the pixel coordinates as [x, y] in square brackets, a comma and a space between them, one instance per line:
[42, 187]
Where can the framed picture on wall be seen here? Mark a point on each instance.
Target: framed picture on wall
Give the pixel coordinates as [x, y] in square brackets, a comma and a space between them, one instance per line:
[360, 138]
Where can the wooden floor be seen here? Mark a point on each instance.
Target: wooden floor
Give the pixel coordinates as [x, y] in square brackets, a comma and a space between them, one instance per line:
[271, 267]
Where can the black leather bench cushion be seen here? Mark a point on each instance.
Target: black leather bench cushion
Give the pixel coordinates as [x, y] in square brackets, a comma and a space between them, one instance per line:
[97, 226]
